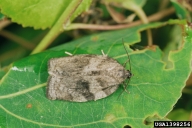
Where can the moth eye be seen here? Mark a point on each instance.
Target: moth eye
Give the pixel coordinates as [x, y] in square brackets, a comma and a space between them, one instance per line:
[129, 74]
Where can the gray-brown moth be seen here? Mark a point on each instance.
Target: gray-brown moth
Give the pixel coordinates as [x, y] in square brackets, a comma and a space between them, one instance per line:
[85, 77]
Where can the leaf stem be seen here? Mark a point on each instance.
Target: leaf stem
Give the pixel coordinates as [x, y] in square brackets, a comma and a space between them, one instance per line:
[21, 41]
[139, 11]
[155, 17]
[57, 28]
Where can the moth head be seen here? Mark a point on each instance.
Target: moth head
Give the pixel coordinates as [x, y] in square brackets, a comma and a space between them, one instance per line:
[128, 74]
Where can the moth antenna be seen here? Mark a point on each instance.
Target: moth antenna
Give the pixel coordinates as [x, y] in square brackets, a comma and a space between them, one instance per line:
[127, 54]
[126, 84]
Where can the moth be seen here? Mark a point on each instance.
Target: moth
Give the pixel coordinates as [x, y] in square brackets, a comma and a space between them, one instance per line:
[85, 77]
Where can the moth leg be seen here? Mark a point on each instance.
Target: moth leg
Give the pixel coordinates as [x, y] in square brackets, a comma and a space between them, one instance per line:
[68, 53]
[103, 53]
[125, 88]
[124, 65]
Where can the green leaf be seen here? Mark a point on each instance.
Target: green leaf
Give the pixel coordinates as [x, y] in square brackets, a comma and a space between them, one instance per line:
[126, 3]
[179, 115]
[153, 89]
[1, 16]
[39, 13]
[2, 73]
[180, 11]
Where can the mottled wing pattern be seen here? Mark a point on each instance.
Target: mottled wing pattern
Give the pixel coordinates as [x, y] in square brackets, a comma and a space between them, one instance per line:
[81, 78]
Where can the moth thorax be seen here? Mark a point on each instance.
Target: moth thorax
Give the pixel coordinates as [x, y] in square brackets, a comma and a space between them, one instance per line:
[123, 74]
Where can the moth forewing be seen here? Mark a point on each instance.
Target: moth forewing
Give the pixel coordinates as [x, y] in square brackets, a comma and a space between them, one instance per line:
[82, 78]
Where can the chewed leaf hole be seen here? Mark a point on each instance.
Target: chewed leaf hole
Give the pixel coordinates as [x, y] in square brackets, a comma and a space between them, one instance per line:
[127, 126]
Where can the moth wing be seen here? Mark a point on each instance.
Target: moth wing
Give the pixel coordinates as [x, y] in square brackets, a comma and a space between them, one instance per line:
[82, 78]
